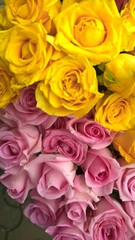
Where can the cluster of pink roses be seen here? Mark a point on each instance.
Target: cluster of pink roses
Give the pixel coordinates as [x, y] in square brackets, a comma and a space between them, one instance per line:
[69, 170]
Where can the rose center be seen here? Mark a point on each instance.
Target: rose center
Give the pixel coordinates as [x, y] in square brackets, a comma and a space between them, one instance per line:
[117, 111]
[93, 131]
[64, 148]
[89, 32]
[10, 150]
[109, 233]
[74, 213]
[71, 85]
[28, 50]
[28, 99]
[101, 175]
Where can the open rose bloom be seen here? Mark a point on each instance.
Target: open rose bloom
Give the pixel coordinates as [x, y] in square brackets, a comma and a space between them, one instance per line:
[67, 115]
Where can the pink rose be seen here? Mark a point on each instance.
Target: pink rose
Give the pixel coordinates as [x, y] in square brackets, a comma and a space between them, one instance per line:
[52, 175]
[90, 132]
[25, 109]
[63, 142]
[65, 230]
[16, 181]
[110, 221]
[101, 170]
[126, 183]
[77, 203]
[17, 144]
[42, 211]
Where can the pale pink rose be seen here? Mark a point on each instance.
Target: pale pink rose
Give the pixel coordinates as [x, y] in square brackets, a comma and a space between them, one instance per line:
[16, 181]
[65, 230]
[101, 170]
[90, 132]
[110, 222]
[126, 183]
[42, 211]
[25, 110]
[77, 202]
[63, 142]
[17, 144]
[52, 175]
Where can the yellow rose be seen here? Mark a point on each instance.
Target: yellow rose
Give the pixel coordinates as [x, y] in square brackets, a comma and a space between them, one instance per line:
[91, 28]
[25, 50]
[70, 87]
[125, 144]
[115, 112]
[7, 94]
[20, 11]
[128, 16]
[119, 75]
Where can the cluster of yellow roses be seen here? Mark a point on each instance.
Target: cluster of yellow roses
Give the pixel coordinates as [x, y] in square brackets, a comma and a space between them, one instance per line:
[59, 45]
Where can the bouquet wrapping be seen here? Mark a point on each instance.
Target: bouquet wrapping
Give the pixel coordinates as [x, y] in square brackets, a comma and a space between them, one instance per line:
[67, 115]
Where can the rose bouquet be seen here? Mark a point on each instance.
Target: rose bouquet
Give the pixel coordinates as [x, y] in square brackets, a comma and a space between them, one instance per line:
[67, 115]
